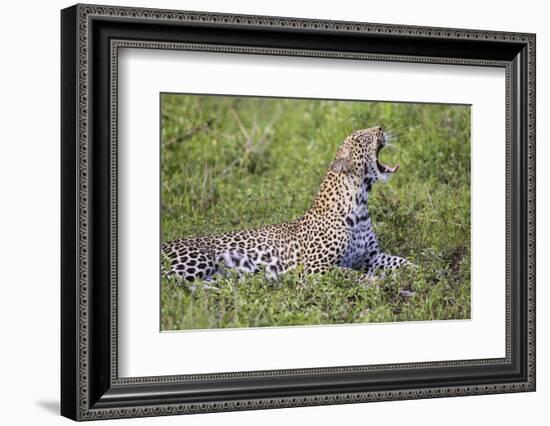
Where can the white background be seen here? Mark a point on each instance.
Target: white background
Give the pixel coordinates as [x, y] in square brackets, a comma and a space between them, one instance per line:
[29, 229]
[140, 343]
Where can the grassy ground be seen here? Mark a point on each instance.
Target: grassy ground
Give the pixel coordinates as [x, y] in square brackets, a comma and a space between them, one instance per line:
[232, 163]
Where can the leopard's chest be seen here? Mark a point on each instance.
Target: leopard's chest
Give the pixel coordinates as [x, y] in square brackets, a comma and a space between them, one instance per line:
[362, 243]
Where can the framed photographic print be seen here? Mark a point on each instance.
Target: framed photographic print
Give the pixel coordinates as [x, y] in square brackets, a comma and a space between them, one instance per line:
[263, 212]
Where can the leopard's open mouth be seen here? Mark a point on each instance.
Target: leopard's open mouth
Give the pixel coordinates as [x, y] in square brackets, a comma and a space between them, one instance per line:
[384, 168]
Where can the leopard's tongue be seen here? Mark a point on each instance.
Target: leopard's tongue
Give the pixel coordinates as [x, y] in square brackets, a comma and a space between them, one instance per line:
[385, 168]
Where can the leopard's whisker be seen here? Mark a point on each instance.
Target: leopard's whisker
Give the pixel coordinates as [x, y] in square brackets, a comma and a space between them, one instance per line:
[391, 137]
[398, 130]
[393, 147]
[392, 134]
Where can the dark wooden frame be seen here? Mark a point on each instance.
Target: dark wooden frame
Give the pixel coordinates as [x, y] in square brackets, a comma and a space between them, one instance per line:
[90, 386]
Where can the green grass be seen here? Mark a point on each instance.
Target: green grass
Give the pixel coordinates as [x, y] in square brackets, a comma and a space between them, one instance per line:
[233, 163]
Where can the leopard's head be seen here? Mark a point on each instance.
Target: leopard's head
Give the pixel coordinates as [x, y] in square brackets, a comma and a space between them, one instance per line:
[358, 155]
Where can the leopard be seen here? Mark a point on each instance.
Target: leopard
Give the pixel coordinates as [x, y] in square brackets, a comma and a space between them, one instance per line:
[335, 232]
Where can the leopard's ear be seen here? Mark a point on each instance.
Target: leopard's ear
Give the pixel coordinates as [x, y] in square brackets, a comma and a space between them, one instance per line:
[341, 165]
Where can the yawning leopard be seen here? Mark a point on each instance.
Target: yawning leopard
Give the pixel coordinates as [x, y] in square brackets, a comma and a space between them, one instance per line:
[335, 232]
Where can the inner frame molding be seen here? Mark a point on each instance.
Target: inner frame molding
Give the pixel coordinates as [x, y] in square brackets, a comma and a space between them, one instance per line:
[91, 37]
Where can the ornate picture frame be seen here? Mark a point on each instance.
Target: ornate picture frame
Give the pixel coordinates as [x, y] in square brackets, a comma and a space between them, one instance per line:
[91, 37]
